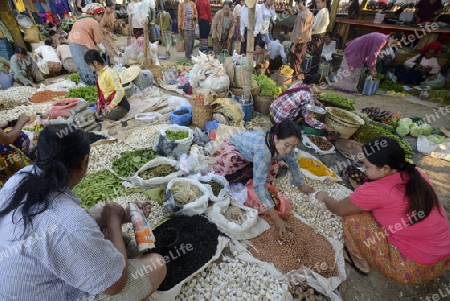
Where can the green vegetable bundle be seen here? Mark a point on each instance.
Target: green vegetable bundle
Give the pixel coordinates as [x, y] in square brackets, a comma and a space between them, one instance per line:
[177, 135]
[97, 187]
[337, 100]
[75, 77]
[388, 85]
[129, 162]
[88, 93]
[369, 132]
[267, 86]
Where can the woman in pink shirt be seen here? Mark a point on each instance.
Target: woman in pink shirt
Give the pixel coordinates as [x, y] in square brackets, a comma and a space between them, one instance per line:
[416, 69]
[394, 223]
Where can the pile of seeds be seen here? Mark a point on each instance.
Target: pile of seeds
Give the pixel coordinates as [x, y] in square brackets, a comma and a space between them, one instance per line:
[102, 155]
[194, 245]
[144, 137]
[162, 170]
[232, 279]
[320, 218]
[46, 95]
[321, 143]
[29, 110]
[236, 215]
[302, 246]
[216, 187]
[14, 97]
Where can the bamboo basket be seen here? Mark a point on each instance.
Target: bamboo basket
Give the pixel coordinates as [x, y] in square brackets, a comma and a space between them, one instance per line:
[346, 129]
[262, 103]
[156, 71]
[240, 91]
[201, 114]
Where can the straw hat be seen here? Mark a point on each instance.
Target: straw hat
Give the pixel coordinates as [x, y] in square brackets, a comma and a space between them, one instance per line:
[130, 74]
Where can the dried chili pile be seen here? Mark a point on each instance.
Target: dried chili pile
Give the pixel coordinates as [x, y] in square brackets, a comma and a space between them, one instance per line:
[192, 242]
[46, 95]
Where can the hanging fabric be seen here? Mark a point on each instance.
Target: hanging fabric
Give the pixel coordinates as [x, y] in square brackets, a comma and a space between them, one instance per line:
[20, 6]
[66, 5]
[39, 7]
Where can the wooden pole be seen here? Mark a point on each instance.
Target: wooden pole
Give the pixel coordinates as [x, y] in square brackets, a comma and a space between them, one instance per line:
[334, 9]
[146, 58]
[249, 55]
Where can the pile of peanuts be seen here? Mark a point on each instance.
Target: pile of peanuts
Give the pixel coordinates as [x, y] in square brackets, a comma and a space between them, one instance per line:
[301, 246]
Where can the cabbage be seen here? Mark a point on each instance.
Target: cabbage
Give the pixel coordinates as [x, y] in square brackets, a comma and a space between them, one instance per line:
[436, 138]
[426, 129]
[415, 130]
[405, 121]
[402, 130]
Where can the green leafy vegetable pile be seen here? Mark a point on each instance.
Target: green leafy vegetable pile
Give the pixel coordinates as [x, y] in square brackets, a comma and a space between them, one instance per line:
[337, 100]
[388, 85]
[88, 93]
[97, 187]
[177, 135]
[268, 86]
[129, 162]
[75, 78]
[368, 132]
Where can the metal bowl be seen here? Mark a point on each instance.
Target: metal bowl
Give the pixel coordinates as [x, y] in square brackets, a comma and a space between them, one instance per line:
[316, 109]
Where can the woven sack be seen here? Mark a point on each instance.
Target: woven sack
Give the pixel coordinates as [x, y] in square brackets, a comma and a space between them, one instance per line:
[202, 113]
[239, 76]
[32, 35]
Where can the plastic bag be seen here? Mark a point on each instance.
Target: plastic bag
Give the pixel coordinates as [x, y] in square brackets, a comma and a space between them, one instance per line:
[238, 192]
[307, 142]
[200, 138]
[198, 206]
[145, 79]
[282, 204]
[184, 119]
[245, 230]
[435, 82]
[212, 147]
[132, 90]
[175, 101]
[176, 148]
[24, 21]
[195, 162]
[62, 107]
[213, 177]
[137, 181]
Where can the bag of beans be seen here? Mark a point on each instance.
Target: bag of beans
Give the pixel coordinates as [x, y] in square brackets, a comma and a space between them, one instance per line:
[282, 204]
[237, 221]
[216, 184]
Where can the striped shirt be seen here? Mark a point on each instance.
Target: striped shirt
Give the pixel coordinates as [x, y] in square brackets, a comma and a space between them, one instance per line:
[65, 257]
[253, 147]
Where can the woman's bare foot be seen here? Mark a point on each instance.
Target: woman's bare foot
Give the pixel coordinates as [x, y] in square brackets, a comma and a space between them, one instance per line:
[360, 265]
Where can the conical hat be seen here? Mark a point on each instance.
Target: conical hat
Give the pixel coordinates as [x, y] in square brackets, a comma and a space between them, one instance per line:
[130, 74]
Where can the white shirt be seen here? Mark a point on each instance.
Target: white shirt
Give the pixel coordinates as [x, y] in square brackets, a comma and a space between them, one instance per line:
[387, 51]
[63, 52]
[263, 17]
[276, 49]
[321, 21]
[47, 53]
[328, 50]
[132, 10]
[244, 19]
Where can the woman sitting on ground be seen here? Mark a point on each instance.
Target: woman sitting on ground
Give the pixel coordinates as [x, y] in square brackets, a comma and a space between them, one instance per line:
[395, 223]
[24, 68]
[14, 147]
[416, 69]
[112, 103]
[63, 252]
[255, 155]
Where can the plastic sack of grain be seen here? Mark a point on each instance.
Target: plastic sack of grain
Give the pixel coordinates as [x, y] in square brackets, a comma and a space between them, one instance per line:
[207, 179]
[167, 147]
[153, 182]
[244, 224]
[186, 196]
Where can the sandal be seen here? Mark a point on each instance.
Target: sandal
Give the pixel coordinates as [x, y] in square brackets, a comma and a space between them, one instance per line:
[349, 259]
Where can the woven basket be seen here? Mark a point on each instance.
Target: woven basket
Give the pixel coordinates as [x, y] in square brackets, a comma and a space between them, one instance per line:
[156, 71]
[201, 114]
[357, 121]
[239, 76]
[240, 91]
[262, 103]
[345, 129]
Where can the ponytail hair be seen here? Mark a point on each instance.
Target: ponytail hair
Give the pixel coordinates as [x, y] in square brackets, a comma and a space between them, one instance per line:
[60, 152]
[420, 194]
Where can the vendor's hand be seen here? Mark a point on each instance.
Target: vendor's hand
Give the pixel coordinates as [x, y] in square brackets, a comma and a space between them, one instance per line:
[321, 195]
[112, 213]
[306, 189]
[280, 225]
[22, 120]
[33, 85]
[373, 73]
[106, 110]
[145, 207]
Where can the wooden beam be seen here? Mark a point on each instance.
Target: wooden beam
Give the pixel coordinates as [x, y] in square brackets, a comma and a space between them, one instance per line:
[7, 16]
[250, 48]
[334, 9]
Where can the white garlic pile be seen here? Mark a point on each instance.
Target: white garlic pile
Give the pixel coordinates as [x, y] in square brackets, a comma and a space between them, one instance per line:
[321, 219]
[233, 280]
[145, 137]
[102, 155]
[15, 96]
[29, 110]
[157, 212]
